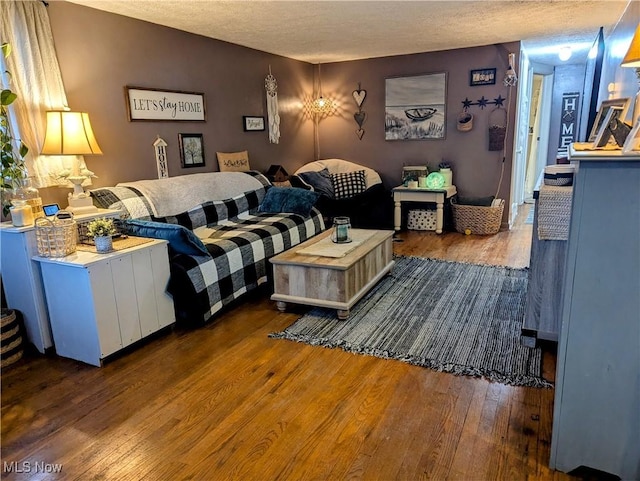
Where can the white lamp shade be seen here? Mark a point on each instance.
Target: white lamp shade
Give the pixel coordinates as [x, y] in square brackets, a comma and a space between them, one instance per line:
[69, 133]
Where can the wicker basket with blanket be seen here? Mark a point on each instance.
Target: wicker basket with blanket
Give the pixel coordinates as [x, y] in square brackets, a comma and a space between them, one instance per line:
[476, 219]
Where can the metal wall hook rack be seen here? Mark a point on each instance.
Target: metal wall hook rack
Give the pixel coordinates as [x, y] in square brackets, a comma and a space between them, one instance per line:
[483, 102]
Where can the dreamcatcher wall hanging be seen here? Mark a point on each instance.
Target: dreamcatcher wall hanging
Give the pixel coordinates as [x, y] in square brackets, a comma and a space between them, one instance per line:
[271, 86]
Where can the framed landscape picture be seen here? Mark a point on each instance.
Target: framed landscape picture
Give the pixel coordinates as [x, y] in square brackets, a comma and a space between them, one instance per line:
[191, 150]
[415, 107]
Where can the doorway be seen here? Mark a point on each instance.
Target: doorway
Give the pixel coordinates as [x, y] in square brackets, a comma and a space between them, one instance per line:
[538, 131]
[532, 140]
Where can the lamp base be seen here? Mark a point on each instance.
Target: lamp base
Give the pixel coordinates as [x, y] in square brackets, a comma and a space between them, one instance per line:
[81, 204]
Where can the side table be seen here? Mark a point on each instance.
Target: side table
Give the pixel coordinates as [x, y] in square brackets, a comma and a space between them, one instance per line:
[101, 303]
[405, 194]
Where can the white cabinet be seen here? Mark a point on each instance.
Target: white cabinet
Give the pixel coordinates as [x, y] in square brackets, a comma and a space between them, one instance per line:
[596, 418]
[21, 278]
[22, 283]
[101, 303]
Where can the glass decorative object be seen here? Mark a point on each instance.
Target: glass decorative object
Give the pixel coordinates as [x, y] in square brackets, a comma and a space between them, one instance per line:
[341, 230]
[26, 192]
[21, 213]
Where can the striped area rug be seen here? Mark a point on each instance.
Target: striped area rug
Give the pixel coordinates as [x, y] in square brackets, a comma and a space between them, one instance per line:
[454, 317]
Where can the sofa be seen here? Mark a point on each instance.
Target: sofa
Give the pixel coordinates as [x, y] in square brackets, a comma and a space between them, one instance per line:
[347, 189]
[222, 228]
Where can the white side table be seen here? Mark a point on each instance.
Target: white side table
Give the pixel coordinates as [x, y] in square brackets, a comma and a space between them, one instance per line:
[21, 277]
[405, 194]
[101, 303]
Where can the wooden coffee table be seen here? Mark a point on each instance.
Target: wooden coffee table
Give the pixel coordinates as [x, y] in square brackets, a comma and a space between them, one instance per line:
[333, 282]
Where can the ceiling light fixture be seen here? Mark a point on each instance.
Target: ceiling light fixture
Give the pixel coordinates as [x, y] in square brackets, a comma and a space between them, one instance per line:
[321, 106]
[565, 53]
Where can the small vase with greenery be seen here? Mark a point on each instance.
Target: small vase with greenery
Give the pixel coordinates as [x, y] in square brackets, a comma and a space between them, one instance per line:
[101, 230]
[12, 150]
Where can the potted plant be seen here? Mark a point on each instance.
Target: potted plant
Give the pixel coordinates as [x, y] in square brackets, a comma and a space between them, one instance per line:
[101, 230]
[11, 150]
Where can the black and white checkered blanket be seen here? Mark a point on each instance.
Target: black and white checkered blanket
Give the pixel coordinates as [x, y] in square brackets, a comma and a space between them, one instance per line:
[239, 250]
[239, 240]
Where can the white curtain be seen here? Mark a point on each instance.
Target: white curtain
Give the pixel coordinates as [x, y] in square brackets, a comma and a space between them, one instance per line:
[36, 79]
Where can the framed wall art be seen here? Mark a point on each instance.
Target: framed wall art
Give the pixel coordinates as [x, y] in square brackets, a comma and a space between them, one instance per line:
[484, 76]
[191, 150]
[253, 124]
[604, 108]
[415, 107]
[164, 105]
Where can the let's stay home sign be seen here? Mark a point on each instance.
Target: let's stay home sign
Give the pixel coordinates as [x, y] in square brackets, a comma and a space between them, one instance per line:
[145, 104]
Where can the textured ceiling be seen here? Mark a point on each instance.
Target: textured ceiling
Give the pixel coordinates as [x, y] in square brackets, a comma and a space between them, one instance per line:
[331, 31]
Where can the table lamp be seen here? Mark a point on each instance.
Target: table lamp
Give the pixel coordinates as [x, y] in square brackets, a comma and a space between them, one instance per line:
[70, 133]
[632, 60]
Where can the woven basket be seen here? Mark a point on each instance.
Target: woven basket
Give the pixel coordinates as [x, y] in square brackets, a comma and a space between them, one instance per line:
[464, 122]
[477, 219]
[11, 338]
[497, 128]
[57, 237]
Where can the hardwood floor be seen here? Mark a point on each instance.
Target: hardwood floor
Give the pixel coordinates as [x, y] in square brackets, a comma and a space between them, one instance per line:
[226, 402]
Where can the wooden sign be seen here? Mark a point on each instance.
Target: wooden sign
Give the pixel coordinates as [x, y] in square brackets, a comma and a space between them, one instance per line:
[164, 105]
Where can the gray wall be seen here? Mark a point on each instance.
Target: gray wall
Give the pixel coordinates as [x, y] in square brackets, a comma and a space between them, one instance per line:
[476, 170]
[623, 79]
[110, 51]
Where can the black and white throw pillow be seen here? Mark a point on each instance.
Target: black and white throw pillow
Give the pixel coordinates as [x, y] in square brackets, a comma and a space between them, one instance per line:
[348, 184]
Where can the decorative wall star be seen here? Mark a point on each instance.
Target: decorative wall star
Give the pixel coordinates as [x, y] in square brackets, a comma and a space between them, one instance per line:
[483, 102]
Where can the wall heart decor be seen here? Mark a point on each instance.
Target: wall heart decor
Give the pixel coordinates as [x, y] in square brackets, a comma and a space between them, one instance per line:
[360, 118]
[359, 95]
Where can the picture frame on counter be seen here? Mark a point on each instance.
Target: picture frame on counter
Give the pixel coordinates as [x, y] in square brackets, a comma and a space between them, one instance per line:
[604, 108]
[158, 105]
[604, 133]
[632, 143]
[191, 150]
[252, 123]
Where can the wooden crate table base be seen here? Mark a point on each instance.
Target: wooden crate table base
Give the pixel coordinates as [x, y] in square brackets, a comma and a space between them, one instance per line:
[300, 277]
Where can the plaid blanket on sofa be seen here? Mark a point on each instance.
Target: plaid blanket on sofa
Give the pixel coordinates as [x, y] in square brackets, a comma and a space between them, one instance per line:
[238, 238]
[239, 250]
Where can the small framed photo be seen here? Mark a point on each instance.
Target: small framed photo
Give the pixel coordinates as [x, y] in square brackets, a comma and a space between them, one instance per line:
[604, 133]
[191, 150]
[605, 106]
[484, 76]
[632, 143]
[252, 124]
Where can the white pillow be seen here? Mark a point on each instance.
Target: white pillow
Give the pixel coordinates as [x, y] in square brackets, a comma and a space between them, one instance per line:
[340, 166]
